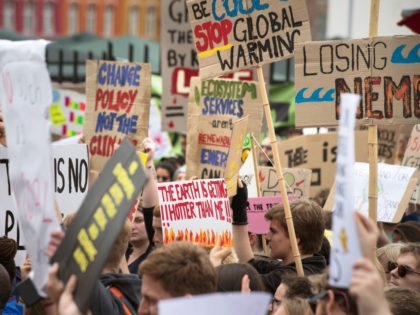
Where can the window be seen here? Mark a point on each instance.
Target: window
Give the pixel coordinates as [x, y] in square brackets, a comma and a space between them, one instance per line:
[109, 21]
[49, 18]
[91, 18]
[73, 19]
[9, 15]
[133, 25]
[150, 22]
[29, 17]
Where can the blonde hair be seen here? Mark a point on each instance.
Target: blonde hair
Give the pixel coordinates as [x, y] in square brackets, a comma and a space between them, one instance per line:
[389, 251]
[297, 306]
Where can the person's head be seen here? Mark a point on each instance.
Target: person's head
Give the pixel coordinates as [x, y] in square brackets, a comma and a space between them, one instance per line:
[403, 301]
[291, 287]
[5, 285]
[138, 230]
[165, 171]
[308, 221]
[180, 173]
[157, 227]
[407, 232]
[120, 246]
[387, 256]
[266, 153]
[8, 250]
[406, 273]
[328, 300]
[294, 306]
[175, 270]
[230, 277]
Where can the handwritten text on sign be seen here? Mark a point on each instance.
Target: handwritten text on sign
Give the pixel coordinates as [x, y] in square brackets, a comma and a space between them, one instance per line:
[118, 96]
[196, 211]
[257, 208]
[232, 35]
[412, 158]
[227, 97]
[382, 70]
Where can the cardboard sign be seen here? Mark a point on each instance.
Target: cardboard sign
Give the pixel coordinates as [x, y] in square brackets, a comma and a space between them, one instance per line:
[345, 246]
[91, 236]
[208, 142]
[382, 70]
[234, 160]
[227, 97]
[243, 34]
[298, 181]
[254, 303]
[67, 113]
[248, 175]
[25, 91]
[71, 175]
[319, 153]
[395, 186]
[257, 208]
[196, 211]
[179, 64]
[412, 158]
[118, 99]
[388, 143]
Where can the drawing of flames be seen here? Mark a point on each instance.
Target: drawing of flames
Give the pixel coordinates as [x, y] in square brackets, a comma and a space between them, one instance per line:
[206, 238]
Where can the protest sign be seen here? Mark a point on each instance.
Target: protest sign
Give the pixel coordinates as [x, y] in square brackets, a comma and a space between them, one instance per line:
[227, 97]
[118, 102]
[26, 91]
[254, 303]
[382, 70]
[70, 169]
[412, 158]
[247, 174]
[257, 208]
[196, 211]
[319, 153]
[346, 245]
[243, 34]
[91, 236]
[67, 113]
[298, 181]
[71, 175]
[179, 64]
[388, 143]
[208, 142]
[395, 186]
[234, 159]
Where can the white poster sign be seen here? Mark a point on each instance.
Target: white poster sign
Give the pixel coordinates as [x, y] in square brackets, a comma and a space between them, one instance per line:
[247, 174]
[346, 247]
[26, 92]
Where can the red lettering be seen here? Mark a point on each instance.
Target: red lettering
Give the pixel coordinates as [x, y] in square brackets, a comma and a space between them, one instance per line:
[211, 34]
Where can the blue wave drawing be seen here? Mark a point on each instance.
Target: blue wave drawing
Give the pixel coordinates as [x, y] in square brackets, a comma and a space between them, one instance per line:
[315, 96]
[413, 55]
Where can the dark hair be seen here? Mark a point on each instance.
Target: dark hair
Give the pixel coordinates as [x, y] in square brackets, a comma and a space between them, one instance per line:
[230, 277]
[308, 220]
[169, 166]
[4, 287]
[8, 249]
[297, 287]
[403, 301]
[325, 250]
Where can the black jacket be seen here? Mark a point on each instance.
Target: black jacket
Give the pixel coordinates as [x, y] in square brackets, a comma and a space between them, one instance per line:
[272, 271]
[104, 302]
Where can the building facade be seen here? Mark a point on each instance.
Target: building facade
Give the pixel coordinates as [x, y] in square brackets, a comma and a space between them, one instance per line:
[50, 18]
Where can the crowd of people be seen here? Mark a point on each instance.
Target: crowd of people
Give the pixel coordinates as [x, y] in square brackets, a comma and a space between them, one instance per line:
[141, 271]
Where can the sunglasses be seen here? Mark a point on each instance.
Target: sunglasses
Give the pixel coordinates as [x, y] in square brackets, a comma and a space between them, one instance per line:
[402, 270]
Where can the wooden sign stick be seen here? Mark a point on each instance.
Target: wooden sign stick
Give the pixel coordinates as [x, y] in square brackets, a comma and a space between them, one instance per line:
[373, 129]
[279, 172]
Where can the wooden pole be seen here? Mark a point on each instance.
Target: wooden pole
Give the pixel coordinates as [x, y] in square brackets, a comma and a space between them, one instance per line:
[279, 172]
[373, 129]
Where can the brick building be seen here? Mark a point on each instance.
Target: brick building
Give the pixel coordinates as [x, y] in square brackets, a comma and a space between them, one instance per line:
[50, 18]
